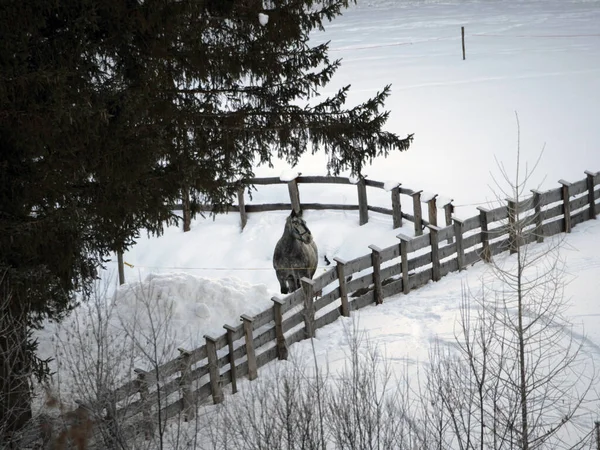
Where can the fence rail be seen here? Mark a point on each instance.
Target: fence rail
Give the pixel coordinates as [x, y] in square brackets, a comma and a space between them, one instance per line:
[201, 374]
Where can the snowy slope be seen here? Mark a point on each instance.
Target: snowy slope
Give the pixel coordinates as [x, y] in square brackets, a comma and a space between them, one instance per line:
[539, 58]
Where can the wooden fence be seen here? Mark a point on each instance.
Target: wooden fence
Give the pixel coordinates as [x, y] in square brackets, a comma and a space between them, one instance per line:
[396, 193]
[201, 374]
[362, 205]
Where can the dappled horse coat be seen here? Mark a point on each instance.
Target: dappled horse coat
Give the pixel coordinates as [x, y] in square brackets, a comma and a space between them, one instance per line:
[295, 254]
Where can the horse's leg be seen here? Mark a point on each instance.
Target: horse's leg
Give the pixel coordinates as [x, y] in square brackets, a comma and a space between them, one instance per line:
[283, 285]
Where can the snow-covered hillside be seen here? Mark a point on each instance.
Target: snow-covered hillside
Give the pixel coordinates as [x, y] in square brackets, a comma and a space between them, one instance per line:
[540, 59]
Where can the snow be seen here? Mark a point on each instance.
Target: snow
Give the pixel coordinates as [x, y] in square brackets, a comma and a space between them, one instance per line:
[540, 59]
[289, 175]
[263, 19]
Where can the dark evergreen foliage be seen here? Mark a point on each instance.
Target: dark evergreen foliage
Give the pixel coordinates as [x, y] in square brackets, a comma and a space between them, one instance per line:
[110, 110]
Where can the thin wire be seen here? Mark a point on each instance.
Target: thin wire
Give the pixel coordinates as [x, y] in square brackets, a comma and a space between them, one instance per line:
[221, 268]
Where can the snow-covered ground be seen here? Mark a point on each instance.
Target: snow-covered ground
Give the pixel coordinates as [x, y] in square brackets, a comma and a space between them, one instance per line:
[538, 58]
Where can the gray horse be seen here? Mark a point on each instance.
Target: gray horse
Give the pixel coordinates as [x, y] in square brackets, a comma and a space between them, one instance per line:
[295, 255]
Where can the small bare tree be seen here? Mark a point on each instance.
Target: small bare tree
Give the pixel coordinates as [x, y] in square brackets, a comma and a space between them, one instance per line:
[518, 377]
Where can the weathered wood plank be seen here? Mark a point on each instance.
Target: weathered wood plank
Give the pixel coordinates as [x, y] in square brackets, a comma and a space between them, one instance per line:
[554, 227]
[418, 243]
[363, 203]
[421, 279]
[393, 288]
[292, 321]
[242, 208]
[566, 195]
[418, 216]
[358, 264]
[471, 241]
[328, 318]
[292, 300]
[391, 271]
[250, 352]
[579, 202]
[231, 357]
[500, 246]
[552, 196]
[380, 210]
[390, 253]
[296, 336]
[360, 283]
[325, 279]
[460, 249]
[447, 250]
[448, 266]
[497, 214]
[552, 212]
[580, 217]
[485, 238]
[472, 223]
[375, 184]
[538, 215]
[396, 207]
[322, 180]
[294, 195]
[419, 261]
[362, 301]
[579, 187]
[435, 254]
[590, 181]
[309, 307]
[376, 262]
[472, 257]
[446, 233]
[305, 206]
[262, 318]
[264, 338]
[264, 181]
[282, 350]
[266, 357]
[327, 299]
[343, 288]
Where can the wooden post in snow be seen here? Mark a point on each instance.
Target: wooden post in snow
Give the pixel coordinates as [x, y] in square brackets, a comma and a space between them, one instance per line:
[462, 33]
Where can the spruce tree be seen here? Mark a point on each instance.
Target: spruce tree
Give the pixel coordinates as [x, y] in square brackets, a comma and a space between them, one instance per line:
[112, 110]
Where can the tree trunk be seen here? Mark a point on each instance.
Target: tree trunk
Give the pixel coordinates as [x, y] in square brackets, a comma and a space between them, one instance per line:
[187, 210]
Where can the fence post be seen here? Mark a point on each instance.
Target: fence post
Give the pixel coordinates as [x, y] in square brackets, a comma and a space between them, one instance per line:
[460, 251]
[539, 226]
[448, 211]
[294, 195]
[232, 366]
[404, 242]
[121, 267]
[435, 252]
[485, 239]
[309, 307]
[340, 268]
[396, 207]
[597, 426]
[185, 384]
[252, 367]
[142, 387]
[187, 210]
[213, 369]
[591, 194]
[432, 210]
[462, 34]
[416, 196]
[376, 262]
[242, 206]
[566, 205]
[513, 234]
[282, 350]
[363, 206]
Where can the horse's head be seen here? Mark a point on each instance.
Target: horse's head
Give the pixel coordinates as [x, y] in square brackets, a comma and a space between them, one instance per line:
[297, 228]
